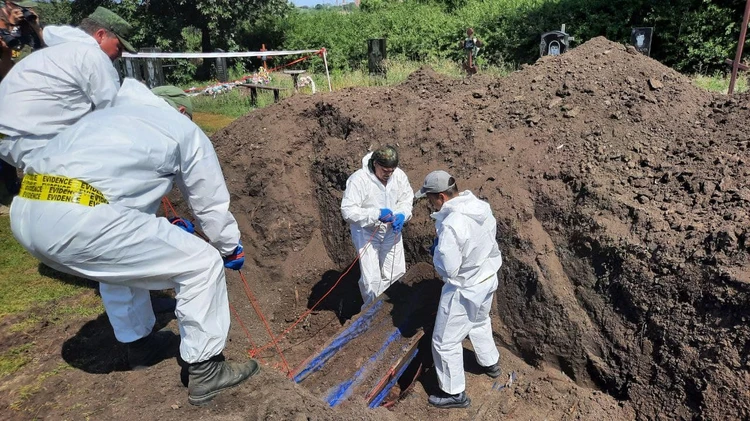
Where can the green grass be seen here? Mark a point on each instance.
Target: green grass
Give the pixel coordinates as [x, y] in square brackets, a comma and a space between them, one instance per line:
[28, 390]
[21, 284]
[720, 82]
[214, 113]
[231, 104]
[15, 358]
[210, 122]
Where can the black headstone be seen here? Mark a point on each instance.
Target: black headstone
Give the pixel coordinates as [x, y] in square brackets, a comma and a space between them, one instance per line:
[640, 38]
[222, 74]
[375, 55]
[553, 43]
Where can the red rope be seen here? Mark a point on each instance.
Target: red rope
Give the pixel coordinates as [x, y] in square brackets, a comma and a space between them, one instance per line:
[289, 64]
[275, 339]
[258, 311]
[247, 333]
[369, 241]
[165, 202]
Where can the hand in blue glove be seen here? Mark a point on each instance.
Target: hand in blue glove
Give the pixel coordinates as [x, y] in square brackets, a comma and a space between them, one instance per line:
[235, 260]
[398, 222]
[434, 245]
[386, 215]
[184, 224]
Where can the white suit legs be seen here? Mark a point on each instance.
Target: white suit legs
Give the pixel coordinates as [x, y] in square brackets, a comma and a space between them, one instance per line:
[129, 311]
[381, 262]
[481, 332]
[124, 247]
[462, 313]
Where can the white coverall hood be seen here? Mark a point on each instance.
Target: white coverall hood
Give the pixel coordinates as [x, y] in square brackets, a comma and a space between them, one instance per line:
[132, 92]
[381, 251]
[461, 219]
[467, 258]
[51, 89]
[55, 35]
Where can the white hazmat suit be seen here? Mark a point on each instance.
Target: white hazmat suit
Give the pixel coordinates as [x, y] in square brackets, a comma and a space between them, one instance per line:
[44, 94]
[467, 258]
[51, 89]
[382, 262]
[132, 153]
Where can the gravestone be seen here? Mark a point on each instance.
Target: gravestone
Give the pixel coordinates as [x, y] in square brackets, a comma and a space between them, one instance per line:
[640, 38]
[150, 71]
[553, 43]
[222, 74]
[376, 54]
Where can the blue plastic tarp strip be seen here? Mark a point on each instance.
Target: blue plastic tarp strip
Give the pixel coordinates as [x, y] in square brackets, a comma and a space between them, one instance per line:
[356, 329]
[383, 393]
[343, 390]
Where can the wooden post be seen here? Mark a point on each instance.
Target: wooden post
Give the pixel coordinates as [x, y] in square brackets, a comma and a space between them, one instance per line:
[738, 55]
[264, 58]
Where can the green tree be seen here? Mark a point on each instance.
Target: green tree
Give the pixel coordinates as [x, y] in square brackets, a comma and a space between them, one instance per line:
[160, 22]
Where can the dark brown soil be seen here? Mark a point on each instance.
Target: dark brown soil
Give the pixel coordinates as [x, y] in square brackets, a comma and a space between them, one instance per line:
[622, 203]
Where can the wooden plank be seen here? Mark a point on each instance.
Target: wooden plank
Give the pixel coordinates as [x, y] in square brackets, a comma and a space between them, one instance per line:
[741, 66]
[264, 87]
[358, 326]
[384, 385]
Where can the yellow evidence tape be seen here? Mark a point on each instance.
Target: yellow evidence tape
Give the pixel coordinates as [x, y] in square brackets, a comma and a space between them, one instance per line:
[57, 188]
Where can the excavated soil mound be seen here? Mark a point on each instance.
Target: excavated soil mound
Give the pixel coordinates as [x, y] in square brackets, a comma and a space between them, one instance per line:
[622, 202]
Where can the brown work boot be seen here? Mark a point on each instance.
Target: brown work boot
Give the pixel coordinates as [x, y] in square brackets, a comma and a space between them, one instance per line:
[208, 378]
[152, 349]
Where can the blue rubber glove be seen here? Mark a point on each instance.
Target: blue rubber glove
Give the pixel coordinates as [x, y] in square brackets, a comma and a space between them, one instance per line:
[235, 260]
[434, 245]
[386, 215]
[398, 222]
[184, 224]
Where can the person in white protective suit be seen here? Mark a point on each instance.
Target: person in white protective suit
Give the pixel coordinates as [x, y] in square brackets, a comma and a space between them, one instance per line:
[54, 87]
[87, 207]
[467, 258]
[376, 204]
[50, 90]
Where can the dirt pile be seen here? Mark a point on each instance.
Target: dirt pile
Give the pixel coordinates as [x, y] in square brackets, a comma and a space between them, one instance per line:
[622, 200]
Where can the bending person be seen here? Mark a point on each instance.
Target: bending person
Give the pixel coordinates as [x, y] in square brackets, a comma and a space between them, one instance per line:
[87, 207]
[376, 204]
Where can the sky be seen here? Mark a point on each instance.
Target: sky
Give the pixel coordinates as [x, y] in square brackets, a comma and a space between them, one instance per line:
[312, 3]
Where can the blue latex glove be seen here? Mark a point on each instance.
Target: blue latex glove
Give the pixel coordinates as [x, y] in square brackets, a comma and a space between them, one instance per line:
[184, 224]
[386, 215]
[235, 260]
[434, 245]
[398, 222]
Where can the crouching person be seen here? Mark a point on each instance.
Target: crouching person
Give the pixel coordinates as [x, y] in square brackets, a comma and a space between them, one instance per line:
[467, 258]
[87, 207]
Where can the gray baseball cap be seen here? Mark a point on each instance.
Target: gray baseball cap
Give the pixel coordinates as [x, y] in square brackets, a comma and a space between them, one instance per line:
[435, 182]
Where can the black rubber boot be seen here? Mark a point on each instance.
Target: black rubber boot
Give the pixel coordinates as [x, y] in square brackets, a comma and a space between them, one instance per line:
[493, 370]
[151, 349]
[446, 400]
[208, 378]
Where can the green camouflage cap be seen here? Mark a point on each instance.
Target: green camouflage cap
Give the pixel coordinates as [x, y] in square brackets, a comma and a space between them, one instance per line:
[386, 156]
[112, 22]
[176, 97]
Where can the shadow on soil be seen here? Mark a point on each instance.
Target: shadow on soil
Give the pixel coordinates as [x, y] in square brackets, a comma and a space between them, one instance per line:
[94, 348]
[345, 300]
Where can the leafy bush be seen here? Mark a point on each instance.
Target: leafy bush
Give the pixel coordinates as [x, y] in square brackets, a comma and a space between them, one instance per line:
[690, 35]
